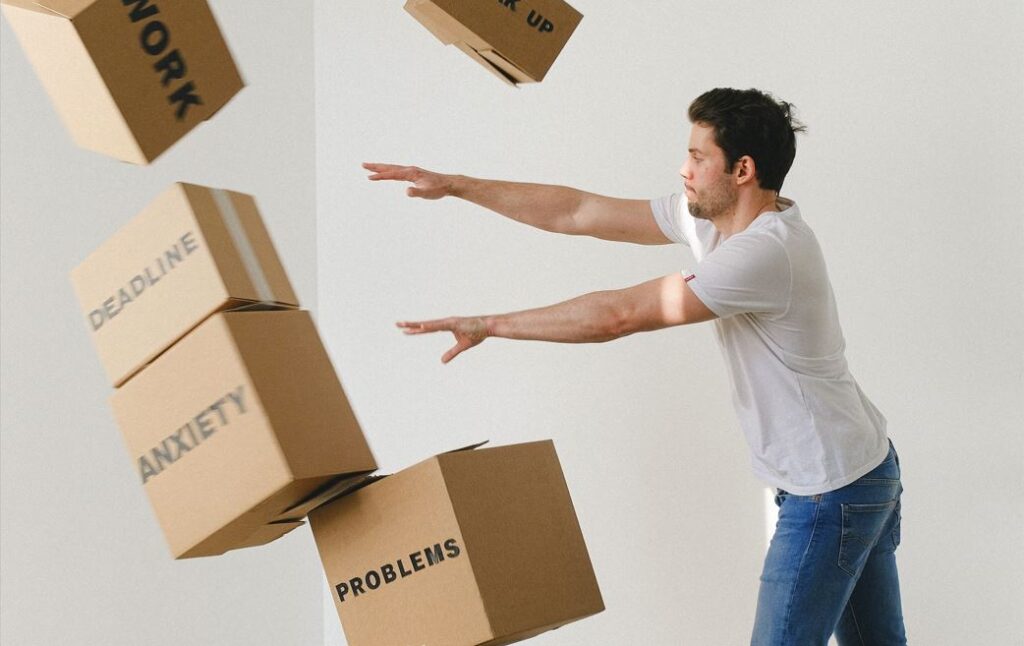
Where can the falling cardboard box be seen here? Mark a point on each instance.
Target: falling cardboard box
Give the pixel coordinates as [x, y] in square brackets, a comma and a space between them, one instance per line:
[517, 40]
[236, 425]
[190, 253]
[469, 547]
[128, 78]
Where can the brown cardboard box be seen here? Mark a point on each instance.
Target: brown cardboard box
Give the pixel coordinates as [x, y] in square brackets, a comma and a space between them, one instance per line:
[235, 425]
[193, 251]
[466, 548]
[128, 78]
[517, 40]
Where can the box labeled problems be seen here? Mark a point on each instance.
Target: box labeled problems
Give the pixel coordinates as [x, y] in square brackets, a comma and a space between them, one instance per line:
[469, 547]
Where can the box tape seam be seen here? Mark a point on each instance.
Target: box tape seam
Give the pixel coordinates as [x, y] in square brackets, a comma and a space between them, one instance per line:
[253, 269]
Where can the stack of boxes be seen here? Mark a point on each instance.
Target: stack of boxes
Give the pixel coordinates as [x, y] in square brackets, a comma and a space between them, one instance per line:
[238, 427]
[233, 416]
[227, 400]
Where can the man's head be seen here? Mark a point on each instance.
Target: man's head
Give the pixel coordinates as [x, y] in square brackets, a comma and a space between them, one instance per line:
[740, 140]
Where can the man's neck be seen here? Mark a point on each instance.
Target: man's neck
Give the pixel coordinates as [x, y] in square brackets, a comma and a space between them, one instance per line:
[748, 207]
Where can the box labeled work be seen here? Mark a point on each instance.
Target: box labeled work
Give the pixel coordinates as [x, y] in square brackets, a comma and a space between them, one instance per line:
[234, 426]
[193, 251]
[469, 547]
[128, 78]
[517, 40]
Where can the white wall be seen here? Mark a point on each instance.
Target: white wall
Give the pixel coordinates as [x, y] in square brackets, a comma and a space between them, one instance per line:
[909, 175]
[83, 560]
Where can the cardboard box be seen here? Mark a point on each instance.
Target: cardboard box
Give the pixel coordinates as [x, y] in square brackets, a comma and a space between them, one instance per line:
[469, 547]
[128, 78]
[517, 40]
[235, 426]
[192, 252]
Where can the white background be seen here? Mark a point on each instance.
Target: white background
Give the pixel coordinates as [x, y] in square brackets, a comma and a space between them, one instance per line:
[910, 175]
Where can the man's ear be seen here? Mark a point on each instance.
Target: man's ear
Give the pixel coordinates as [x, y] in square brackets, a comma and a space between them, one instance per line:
[745, 170]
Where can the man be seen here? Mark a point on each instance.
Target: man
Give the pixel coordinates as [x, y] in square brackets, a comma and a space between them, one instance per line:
[760, 276]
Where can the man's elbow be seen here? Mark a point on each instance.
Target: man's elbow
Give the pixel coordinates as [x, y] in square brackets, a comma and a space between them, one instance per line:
[626, 319]
[617, 325]
[653, 317]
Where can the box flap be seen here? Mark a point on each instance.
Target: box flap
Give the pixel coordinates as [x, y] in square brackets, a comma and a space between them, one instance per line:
[506, 66]
[346, 485]
[240, 305]
[335, 488]
[269, 533]
[497, 71]
[468, 447]
[66, 8]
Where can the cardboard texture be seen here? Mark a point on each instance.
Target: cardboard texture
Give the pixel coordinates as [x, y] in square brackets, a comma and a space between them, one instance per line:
[192, 252]
[234, 425]
[129, 78]
[517, 40]
[467, 548]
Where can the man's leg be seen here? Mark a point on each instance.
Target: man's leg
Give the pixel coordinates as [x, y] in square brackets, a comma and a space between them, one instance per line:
[796, 606]
[874, 616]
[821, 546]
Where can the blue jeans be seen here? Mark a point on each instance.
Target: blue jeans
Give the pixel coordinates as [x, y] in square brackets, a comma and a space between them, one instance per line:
[831, 566]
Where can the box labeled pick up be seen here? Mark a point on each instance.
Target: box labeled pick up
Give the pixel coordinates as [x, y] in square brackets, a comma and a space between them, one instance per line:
[235, 426]
[192, 252]
[128, 78]
[469, 547]
[517, 40]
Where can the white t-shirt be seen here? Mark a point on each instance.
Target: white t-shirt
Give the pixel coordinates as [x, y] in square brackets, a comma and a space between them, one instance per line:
[809, 426]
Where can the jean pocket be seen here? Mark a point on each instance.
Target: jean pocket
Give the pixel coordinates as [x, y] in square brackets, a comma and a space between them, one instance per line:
[896, 526]
[862, 526]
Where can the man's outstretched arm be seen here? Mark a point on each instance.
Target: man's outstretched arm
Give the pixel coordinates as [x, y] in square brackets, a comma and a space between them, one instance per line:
[591, 318]
[558, 209]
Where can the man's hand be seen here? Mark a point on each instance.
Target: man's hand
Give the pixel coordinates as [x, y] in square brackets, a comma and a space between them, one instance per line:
[468, 332]
[425, 184]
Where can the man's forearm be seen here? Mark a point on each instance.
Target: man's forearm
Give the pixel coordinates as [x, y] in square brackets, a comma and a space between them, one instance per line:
[591, 318]
[543, 206]
[603, 316]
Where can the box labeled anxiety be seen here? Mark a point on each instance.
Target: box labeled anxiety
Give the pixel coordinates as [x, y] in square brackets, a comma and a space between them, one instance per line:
[468, 547]
[128, 78]
[517, 40]
[193, 251]
[235, 426]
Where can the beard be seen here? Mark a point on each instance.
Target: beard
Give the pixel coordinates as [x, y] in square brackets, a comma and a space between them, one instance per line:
[718, 200]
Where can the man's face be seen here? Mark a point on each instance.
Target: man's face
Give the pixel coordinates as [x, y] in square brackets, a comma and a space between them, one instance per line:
[710, 189]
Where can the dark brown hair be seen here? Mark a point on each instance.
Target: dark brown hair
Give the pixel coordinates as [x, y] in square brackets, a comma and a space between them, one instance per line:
[751, 122]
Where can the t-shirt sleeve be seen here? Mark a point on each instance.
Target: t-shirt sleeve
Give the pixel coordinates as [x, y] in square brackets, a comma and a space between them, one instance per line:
[668, 215]
[746, 274]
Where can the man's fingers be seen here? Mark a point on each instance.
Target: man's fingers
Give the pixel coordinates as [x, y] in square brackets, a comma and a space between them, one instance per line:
[401, 175]
[391, 171]
[377, 168]
[462, 344]
[453, 352]
[420, 327]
